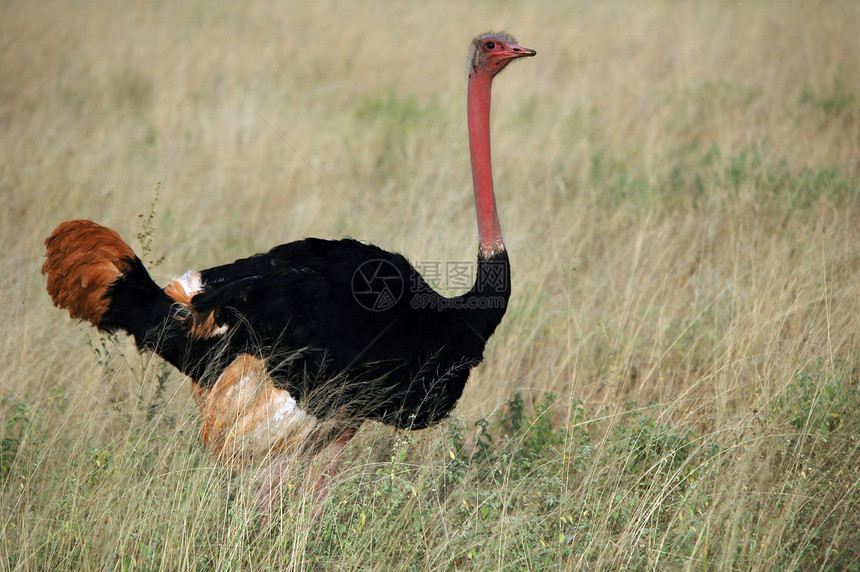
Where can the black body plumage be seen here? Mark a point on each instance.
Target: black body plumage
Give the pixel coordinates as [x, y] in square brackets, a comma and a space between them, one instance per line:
[347, 328]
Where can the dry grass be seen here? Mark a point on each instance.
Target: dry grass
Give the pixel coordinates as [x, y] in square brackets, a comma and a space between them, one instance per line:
[679, 191]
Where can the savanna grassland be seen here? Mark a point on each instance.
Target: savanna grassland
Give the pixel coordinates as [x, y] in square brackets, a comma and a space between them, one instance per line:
[676, 383]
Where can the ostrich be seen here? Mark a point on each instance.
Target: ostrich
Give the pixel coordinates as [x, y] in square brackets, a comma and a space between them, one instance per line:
[289, 351]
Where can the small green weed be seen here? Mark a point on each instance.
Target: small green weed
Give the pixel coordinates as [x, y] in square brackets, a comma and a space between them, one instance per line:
[19, 426]
[833, 101]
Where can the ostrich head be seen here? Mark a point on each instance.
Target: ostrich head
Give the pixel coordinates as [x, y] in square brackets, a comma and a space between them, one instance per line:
[492, 52]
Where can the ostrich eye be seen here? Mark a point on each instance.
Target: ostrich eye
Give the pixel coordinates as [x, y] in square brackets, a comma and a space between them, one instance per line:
[490, 45]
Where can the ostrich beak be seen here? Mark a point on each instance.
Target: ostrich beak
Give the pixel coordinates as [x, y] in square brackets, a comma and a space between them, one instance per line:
[519, 52]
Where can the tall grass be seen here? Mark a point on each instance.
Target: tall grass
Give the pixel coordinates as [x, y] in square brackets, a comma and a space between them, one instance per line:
[677, 380]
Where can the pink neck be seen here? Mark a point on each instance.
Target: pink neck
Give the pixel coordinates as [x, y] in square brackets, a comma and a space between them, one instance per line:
[489, 229]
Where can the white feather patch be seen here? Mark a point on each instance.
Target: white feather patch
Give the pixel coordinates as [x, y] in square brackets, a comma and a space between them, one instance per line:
[191, 282]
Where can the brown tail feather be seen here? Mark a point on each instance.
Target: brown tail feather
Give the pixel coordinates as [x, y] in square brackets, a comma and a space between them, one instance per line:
[82, 260]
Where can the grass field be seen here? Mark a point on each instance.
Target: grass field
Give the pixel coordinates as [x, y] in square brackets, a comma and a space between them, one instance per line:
[676, 383]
